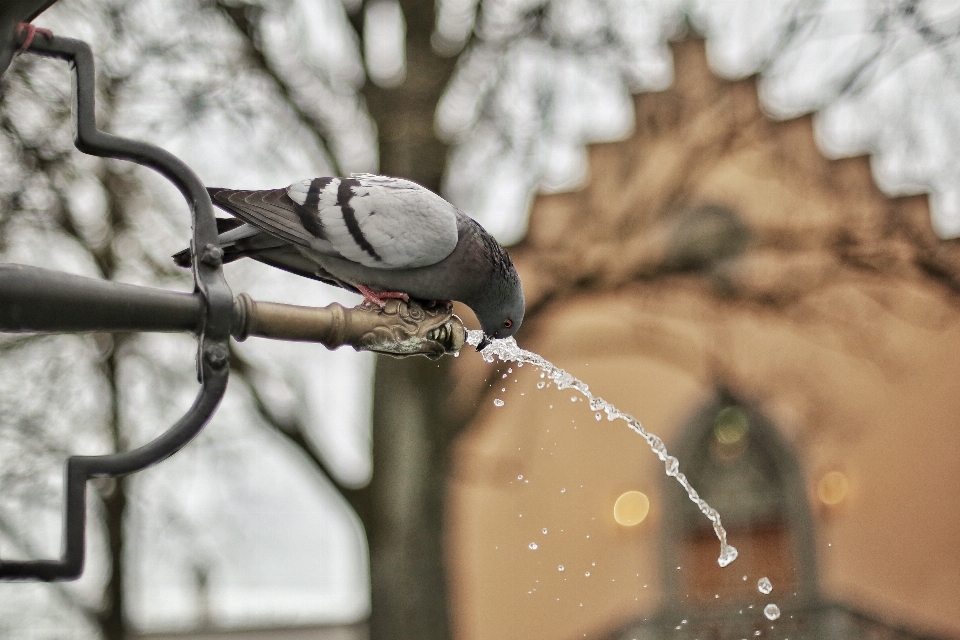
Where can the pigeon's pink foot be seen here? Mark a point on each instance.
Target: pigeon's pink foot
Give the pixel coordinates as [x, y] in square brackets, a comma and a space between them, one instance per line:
[378, 297]
[28, 31]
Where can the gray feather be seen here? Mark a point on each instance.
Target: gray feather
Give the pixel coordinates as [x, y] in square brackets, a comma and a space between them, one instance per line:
[384, 223]
[384, 233]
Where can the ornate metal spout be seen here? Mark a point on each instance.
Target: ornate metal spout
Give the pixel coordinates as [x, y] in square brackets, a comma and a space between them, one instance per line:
[399, 329]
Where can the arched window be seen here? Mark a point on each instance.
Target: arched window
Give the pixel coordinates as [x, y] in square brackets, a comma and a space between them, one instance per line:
[739, 463]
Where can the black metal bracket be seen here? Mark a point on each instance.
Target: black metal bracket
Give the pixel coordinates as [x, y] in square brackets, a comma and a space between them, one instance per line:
[212, 296]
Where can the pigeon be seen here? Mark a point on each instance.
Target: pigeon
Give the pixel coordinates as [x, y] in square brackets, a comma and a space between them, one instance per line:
[378, 236]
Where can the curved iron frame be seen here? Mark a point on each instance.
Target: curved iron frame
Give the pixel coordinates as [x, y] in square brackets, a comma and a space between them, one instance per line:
[215, 301]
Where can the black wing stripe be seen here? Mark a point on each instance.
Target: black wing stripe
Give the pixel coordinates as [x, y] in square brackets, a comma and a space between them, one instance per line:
[309, 211]
[344, 194]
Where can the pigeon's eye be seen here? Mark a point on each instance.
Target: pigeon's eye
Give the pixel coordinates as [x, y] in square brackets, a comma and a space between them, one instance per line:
[507, 323]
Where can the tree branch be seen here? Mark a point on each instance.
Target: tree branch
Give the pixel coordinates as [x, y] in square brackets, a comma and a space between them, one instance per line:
[292, 429]
[246, 19]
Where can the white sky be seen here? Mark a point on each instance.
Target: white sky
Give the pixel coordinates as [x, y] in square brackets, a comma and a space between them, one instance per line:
[524, 104]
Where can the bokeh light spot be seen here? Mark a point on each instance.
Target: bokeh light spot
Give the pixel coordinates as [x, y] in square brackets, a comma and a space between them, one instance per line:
[730, 426]
[631, 508]
[833, 488]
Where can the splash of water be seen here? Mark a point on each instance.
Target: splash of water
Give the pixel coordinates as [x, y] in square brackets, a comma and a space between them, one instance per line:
[764, 586]
[506, 350]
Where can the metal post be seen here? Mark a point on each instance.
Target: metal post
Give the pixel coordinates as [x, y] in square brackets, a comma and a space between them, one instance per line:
[212, 299]
[35, 300]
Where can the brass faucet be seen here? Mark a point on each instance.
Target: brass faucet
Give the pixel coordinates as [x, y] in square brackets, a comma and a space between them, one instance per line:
[397, 329]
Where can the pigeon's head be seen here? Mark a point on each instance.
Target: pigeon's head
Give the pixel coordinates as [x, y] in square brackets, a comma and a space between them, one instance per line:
[501, 311]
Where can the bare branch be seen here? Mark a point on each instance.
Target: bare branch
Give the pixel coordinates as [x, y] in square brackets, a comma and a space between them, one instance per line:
[292, 428]
[246, 19]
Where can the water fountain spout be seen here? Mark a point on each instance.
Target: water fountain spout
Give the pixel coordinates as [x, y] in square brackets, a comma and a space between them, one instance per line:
[398, 329]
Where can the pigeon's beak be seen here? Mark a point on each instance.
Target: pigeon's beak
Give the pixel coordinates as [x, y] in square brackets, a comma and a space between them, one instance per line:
[483, 343]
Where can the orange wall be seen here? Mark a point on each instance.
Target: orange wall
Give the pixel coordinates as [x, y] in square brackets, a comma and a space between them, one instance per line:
[840, 322]
[887, 418]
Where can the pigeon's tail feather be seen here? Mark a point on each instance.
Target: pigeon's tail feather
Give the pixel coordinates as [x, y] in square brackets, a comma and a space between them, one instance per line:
[182, 258]
[230, 254]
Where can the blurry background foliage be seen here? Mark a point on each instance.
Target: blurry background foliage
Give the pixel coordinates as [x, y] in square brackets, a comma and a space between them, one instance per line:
[291, 508]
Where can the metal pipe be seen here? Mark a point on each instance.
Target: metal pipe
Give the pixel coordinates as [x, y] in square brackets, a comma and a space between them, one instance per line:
[40, 300]
[398, 329]
[35, 299]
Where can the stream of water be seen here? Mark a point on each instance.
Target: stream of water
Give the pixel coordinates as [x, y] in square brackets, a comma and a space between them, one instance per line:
[506, 350]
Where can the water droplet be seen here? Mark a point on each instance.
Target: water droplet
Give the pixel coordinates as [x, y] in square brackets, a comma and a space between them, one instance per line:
[520, 477]
[560, 568]
[541, 385]
[728, 553]
[587, 574]
[544, 531]
[764, 586]
[563, 490]
[503, 389]
[498, 402]
[573, 398]
[509, 370]
[543, 375]
[532, 545]
[598, 417]
[772, 611]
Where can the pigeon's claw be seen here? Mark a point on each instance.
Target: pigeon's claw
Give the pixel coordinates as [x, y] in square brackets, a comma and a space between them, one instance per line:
[29, 32]
[378, 297]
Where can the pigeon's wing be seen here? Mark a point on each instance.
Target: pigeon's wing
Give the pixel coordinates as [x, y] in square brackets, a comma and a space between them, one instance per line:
[379, 222]
[228, 224]
[271, 211]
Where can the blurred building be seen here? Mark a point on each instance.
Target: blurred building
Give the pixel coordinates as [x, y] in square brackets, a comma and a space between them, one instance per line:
[790, 332]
